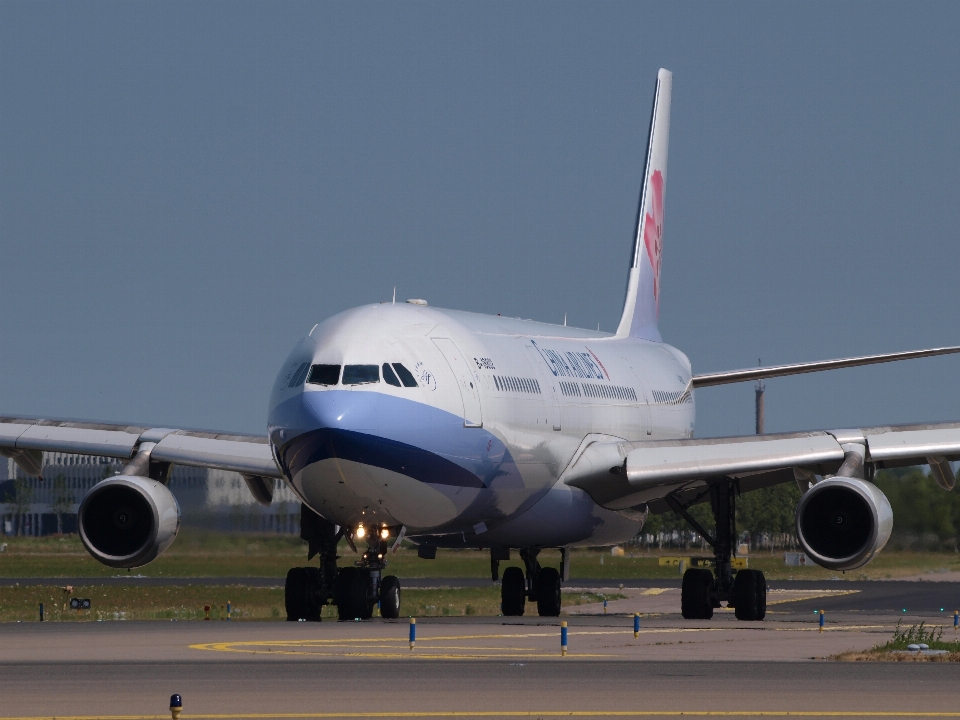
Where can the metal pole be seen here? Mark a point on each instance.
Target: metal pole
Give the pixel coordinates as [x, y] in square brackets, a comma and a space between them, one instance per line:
[760, 412]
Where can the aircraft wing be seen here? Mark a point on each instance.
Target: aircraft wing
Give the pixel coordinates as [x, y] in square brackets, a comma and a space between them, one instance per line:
[624, 475]
[24, 439]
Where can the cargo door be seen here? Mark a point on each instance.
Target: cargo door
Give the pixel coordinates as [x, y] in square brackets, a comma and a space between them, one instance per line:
[468, 382]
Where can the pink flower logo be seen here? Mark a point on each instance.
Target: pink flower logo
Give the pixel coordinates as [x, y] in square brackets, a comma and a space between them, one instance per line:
[653, 231]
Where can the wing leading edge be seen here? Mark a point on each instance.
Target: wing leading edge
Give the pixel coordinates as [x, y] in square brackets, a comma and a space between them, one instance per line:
[621, 475]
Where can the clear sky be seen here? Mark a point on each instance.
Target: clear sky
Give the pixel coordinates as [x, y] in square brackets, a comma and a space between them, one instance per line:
[187, 187]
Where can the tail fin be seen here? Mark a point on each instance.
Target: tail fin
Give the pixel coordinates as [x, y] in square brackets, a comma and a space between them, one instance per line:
[641, 308]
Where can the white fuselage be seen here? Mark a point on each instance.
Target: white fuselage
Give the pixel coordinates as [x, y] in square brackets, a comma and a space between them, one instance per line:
[473, 454]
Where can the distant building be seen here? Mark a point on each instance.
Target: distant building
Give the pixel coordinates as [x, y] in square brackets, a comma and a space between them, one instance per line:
[211, 499]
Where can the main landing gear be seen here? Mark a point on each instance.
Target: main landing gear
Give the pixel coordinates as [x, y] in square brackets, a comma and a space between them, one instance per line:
[354, 590]
[744, 590]
[541, 585]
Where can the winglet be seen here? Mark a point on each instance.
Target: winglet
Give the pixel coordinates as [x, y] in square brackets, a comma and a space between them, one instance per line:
[641, 308]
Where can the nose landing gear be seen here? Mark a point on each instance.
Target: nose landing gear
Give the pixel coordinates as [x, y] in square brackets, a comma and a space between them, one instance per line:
[355, 591]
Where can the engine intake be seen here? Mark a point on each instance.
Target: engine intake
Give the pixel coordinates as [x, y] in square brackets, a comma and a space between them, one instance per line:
[127, 521]
[843, 522]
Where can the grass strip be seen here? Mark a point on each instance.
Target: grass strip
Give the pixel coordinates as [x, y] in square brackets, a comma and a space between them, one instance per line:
[186, 602]
[207, 554]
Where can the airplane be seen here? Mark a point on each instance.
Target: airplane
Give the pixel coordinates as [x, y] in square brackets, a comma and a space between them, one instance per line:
[460, 430]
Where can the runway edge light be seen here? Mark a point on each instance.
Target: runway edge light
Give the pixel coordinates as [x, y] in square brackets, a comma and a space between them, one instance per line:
[413, 632]
[176, 705]
[563, 637]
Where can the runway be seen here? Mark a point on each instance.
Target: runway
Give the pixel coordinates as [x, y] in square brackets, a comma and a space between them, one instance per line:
[489, 667]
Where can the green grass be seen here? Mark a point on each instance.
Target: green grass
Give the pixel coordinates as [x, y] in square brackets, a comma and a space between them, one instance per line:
[110, 603]
[208, 554]
[902, 637]
[917, 634]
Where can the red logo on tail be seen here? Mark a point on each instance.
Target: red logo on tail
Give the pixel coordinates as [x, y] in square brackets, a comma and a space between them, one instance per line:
[653, 232]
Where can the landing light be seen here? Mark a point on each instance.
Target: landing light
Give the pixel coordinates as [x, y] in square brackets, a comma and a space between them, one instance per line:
[385, 533]
[361, 531]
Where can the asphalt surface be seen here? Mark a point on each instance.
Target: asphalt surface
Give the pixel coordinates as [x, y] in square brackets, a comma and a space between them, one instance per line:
[504, 669]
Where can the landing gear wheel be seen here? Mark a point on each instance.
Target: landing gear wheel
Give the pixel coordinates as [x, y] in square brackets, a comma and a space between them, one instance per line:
[351, 594]
[513, 592]
[300, 594]
[750, 595]
[390, 597]
[695, 600]
[548, 592]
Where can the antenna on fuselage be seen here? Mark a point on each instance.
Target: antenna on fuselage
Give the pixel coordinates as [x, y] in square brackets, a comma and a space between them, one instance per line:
[394, 294]
[564, 319]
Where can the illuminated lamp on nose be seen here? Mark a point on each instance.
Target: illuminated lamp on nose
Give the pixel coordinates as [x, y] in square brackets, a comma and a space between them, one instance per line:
[361, 531]
[384, 533]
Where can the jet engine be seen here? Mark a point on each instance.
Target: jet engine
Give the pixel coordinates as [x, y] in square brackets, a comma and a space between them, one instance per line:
[843, 522]
[127, 521]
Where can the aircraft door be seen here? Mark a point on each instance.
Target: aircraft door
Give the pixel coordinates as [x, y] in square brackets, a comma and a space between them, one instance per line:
[466, 379]
[551, 399]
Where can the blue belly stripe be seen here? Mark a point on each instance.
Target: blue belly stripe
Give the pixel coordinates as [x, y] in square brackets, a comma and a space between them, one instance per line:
[329, 443]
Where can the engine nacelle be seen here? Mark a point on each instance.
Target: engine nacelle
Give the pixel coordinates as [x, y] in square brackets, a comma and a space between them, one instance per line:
[127, 521]
[843, 522]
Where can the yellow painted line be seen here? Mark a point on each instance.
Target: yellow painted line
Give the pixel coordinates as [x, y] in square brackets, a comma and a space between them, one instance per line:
[508, 713]
[819, 594]
[315, 645]
[654, 591]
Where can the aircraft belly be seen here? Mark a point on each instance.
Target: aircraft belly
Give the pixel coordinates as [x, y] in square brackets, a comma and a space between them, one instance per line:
[564, 517]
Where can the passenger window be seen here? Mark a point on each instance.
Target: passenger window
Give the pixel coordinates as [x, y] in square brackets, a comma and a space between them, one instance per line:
[324, 375]
[360, 374]
[299, 375]
[405, 375]
[389, 376]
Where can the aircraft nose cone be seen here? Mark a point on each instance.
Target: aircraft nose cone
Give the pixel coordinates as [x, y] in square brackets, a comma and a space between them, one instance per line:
[343, 410]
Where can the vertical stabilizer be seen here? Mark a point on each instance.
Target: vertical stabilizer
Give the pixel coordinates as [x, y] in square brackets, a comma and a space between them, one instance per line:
[641, 308]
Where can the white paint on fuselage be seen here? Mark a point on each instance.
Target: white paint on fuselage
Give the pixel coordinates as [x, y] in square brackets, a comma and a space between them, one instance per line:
[539, 408]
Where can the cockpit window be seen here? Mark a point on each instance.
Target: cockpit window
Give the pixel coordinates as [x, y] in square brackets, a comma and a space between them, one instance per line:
[299, 375]
[360, 374]
[389, 376]
[324, 375]
[405, 375]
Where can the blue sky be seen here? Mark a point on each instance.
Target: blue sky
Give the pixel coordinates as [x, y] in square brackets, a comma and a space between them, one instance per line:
[186, 188]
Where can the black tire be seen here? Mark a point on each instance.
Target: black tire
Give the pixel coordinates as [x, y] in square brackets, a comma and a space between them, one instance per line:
[295, 594]
[750, 595]
[513, 592]
[351, 594]
[548, 592]
[390, 597]
[301, 594]
[695, 602]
